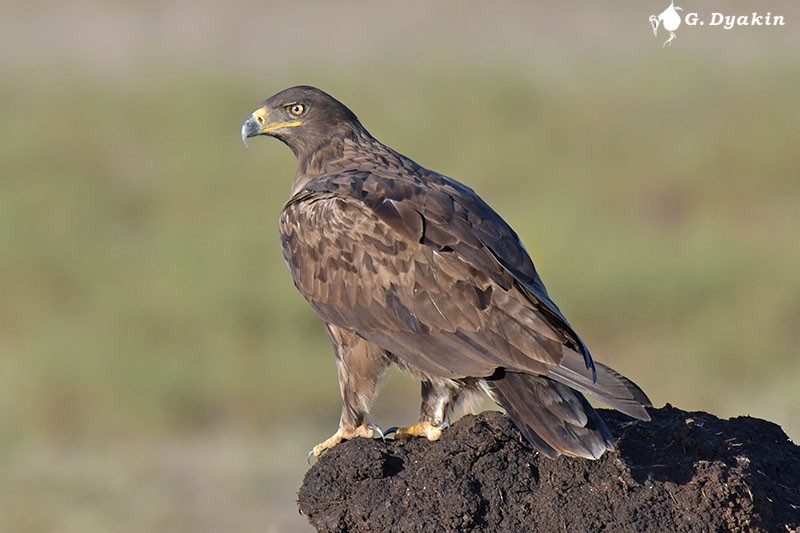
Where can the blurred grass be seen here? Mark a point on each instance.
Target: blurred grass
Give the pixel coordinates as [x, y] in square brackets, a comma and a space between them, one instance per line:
[144, 298]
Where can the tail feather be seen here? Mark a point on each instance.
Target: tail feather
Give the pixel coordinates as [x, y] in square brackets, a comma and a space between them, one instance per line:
[611, 388]
[555, 419]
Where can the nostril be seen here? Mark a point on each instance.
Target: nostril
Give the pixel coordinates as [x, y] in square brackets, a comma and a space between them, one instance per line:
[260, 120]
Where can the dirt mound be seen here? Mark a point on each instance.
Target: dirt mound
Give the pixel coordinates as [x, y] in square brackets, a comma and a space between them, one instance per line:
[680, 472]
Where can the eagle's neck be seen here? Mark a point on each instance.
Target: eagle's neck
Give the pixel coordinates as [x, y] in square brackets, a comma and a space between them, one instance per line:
[354, 150]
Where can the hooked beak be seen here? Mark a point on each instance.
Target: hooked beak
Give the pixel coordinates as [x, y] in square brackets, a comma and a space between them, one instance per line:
[255, 124]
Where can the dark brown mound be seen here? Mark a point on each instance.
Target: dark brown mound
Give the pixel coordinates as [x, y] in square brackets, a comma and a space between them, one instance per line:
[680, 472]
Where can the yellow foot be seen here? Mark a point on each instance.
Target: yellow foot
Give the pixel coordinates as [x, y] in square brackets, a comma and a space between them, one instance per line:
[364, 430]
[423, 429]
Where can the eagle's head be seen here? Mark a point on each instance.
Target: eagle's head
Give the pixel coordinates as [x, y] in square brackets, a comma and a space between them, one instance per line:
[303, 117]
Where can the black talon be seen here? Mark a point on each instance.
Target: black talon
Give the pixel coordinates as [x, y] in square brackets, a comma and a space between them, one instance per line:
[379, 431]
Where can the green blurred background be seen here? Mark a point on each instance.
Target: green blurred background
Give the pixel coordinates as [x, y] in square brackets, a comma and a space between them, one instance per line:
[158, 372]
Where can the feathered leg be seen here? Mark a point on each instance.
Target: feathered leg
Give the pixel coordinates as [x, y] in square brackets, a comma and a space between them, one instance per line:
[360, 366]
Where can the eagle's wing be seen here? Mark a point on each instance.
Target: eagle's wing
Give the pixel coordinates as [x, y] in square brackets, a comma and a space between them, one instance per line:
[425, 269]
[492, 233]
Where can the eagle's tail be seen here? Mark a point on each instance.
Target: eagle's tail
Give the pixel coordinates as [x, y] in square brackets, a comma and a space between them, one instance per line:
[554, 418]
[608, 386]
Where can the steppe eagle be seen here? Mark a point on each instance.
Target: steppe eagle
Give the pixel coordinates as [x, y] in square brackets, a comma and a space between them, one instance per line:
[407, 266]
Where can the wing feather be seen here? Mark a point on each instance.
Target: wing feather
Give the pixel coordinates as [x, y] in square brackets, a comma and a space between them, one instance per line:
[378, 272]
[428, 271]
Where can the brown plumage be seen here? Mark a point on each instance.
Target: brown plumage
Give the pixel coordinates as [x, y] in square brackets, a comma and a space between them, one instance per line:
[407, 266]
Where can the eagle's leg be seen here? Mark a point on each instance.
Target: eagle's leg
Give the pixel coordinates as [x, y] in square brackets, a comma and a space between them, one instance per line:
[438, 400]
[360, 366]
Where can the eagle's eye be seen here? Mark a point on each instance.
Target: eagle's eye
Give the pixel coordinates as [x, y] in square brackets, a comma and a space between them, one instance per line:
[296, 109]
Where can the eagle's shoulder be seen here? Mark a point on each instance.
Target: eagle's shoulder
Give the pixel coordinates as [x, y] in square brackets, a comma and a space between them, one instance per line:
[439, 212]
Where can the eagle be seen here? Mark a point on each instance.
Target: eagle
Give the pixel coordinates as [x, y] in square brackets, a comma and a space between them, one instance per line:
[409, 267]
